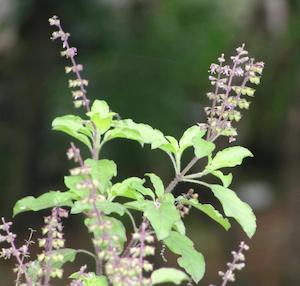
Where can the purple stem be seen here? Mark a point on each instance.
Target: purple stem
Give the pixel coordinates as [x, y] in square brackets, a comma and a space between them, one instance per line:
[17, 256]
[74, 63]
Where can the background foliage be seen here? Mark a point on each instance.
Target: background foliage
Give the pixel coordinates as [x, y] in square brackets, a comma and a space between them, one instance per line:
[149, 60]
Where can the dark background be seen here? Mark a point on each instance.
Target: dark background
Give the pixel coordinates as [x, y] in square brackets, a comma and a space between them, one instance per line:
[149, 60]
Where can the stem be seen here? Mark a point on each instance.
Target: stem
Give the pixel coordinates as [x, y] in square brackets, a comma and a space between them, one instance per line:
[194, 176]
[95, 145]
[178, 161]
[195, 182]
[96, 136]
[174, 163]
[219, 120]
[231, 267]
[28, 242]
[178, 178]
[226, 96]
[48, 250]
[132, 242]
[19, 259]
[86, 252]
[214, 101]
[132, 219]
[142, 249]
[99, 264]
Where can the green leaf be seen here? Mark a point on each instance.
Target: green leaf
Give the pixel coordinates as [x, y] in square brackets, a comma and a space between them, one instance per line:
[162, 216]
[189, 135]
[142, 133]
[73, 126]
[168, 197]
[208, 210]
[106, 207]
[126, 189]
[101, 116]
[117, 229]
[132, 188]
[169, 144]
[136, 205]
[229, 157]
[165, 275]
[173, 146]
[80, 207]
[123, 132]
[90, 279]
[33, 270]
[157, 184]
[202, 147]
[138, 186]
[102, 171]
[226, 179]
[100, 107]
[179, 227]
[234, 207]
[148, 135]
[95, 281]
[190, 259]
[72, 182]
[47, 200]
[67, 254]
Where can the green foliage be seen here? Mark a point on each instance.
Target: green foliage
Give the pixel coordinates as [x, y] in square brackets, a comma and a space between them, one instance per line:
[131, 188]
[190, 259]
[165, 275]
[73, 126]
[102, 171]
[64, 254]
[142, 133]
[160, 210]
[45, 201]
[106, 207]
[157, 184]
[226, 179]
[229, 157]
[117, 229]
[95, 280]
[208, 210]
[188, 137]
[157, 206]
[72, 183]
[234, 207]
[91, 279]
[162, 216]
[67, 254]
[93, 190]
[101, 116]
[202, 147]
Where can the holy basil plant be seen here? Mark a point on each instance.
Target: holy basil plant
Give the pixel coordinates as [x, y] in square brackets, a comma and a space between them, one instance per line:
[92, 188]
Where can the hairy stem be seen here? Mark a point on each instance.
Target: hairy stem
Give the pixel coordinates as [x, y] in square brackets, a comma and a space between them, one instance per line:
[28, 242]
[18, 258]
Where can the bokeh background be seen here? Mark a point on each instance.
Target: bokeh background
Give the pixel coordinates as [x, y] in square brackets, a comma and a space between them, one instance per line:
[149, 60]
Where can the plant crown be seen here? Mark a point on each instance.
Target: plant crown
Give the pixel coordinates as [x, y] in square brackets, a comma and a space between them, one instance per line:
[93, 190]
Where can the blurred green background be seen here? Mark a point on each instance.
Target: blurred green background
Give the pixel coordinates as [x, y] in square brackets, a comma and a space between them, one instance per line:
[149, 60]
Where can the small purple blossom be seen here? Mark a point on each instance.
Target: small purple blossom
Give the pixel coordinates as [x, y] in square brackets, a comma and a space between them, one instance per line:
[237, 263]
[70, 53]
[230, 83]
[20, 254]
